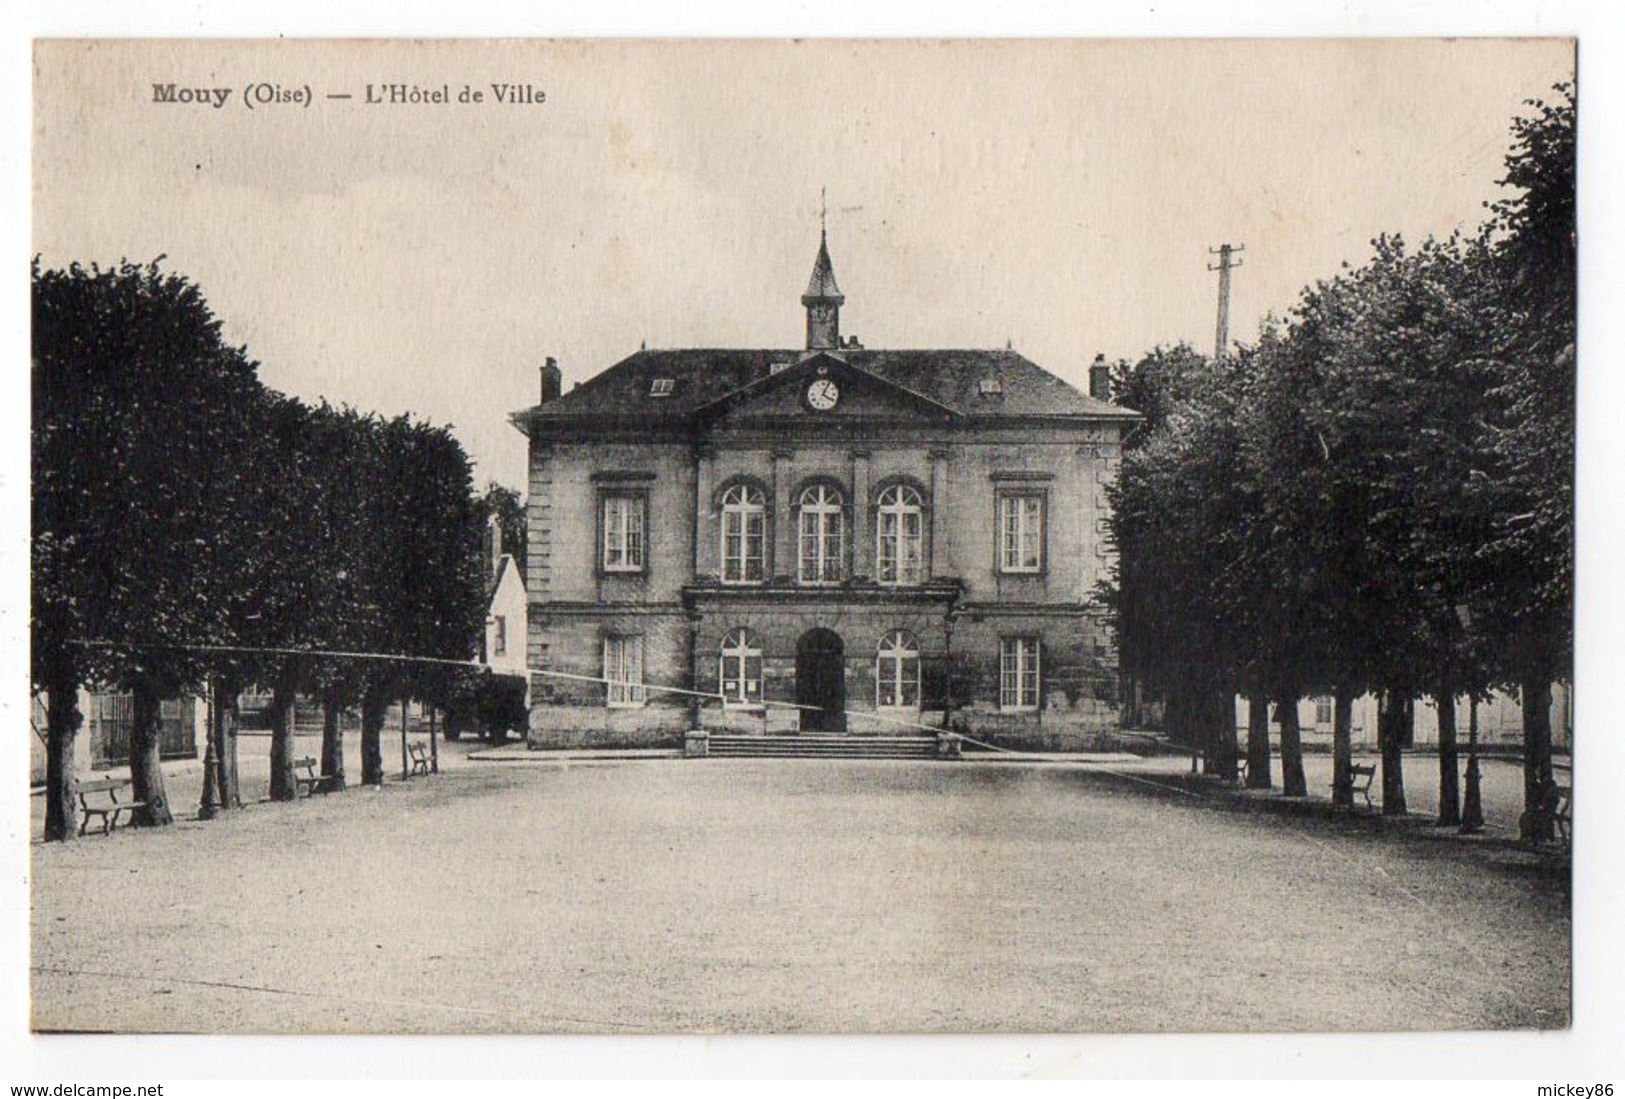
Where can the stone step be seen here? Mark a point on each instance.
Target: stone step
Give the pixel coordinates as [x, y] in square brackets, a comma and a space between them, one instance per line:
[823, 746]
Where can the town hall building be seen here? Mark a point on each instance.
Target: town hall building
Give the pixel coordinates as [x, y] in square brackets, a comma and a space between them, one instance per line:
[830, 538]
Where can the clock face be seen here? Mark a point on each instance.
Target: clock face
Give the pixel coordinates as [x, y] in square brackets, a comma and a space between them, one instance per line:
[822, 394]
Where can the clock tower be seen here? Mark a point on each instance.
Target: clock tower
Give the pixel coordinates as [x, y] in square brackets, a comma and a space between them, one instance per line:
[823, 300]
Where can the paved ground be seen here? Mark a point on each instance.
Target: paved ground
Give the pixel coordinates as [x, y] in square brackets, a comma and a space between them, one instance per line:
[821, 896]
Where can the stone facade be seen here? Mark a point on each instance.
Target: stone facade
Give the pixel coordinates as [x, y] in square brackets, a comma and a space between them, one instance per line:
[812, 508]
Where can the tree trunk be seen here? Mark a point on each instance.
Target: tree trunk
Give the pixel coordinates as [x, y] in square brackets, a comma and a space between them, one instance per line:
[62, 721]
[1258, 743]
[434, 746]
[1173, 716]
[406, 766]
[1536, 822]
[283, 786]
[1293, 782]
[1342, 748]
[332, 745]
[1391, 738]
[146, 772]
[373, 704]
[1449, 760]
[1218, 709]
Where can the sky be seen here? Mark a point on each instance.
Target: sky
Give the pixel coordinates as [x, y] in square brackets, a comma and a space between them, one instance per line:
[1058, 196]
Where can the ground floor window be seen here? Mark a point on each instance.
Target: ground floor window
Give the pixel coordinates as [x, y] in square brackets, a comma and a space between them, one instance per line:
[897, 672]
[741, 669]
[623, 668]
[1018, 673]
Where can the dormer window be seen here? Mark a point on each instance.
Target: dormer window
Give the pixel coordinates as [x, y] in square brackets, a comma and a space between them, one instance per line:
[990, 387]
[661, 387]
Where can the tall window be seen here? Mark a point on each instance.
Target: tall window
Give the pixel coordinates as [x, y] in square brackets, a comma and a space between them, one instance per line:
[744, 521]
[897, 672]
[823, 538]
[623, 668]
[623, 532]
[898, 526]
[1323, 710]
[740, 673]
[1021, 532]
[1018, 673]
[499, 643]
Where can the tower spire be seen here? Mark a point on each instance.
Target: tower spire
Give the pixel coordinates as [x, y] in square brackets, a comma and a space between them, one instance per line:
[823, 298]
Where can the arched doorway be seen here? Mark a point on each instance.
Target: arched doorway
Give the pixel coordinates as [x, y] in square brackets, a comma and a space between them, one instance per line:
[821, 681]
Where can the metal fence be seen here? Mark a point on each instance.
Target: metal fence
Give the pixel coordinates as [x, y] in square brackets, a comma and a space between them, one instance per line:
[111, 716]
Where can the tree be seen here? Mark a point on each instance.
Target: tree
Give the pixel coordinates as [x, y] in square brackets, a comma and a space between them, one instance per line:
[1378, 496]
[1175, 508]
[1528, 441]
[508, 508]
[342, 620]
[133, 478]
[1371, 401]
[423, 577]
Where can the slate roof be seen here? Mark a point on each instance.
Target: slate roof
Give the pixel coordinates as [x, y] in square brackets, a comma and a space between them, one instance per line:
[822, 282]
[702, 375]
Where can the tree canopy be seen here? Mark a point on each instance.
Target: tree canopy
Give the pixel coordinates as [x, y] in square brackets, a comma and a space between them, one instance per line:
[1378, 494]
[190, 524]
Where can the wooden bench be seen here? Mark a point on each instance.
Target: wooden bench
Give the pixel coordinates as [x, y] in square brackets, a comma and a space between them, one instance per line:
[306, 783]
[109, 809]
[1360, 776]
[420, 757]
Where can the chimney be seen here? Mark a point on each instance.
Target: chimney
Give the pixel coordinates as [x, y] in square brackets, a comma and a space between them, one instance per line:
[1100, 379]
[493, 543]
[552, 380]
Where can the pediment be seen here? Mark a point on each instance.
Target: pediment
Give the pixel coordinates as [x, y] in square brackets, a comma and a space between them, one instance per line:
[823, 386]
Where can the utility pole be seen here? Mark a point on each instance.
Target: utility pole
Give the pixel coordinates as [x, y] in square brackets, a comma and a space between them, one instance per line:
[1227, 260]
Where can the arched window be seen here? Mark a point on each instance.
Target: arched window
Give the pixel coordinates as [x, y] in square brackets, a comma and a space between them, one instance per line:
[823, 536]
[740, 669]
[898, 525]
[744, 522]
[897, 672]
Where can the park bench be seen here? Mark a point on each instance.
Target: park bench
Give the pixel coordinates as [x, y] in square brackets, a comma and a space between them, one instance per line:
[420, 757]
[1360, 776]
[106, 805]
[306, 782]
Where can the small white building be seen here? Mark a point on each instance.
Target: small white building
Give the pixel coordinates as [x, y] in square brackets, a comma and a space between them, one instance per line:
[505, 621]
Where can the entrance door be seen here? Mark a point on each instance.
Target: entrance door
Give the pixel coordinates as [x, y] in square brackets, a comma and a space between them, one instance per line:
[821, 681]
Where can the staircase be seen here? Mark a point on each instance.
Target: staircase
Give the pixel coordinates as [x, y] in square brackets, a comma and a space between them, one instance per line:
[822, 746]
